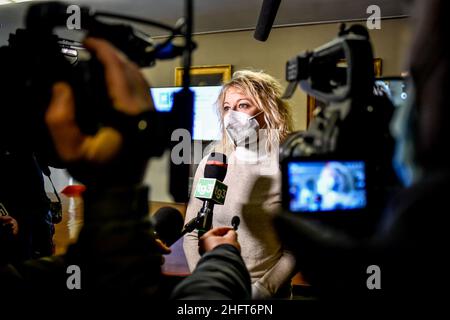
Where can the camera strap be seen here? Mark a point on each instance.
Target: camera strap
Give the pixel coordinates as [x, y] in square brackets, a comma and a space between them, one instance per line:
[55, 206]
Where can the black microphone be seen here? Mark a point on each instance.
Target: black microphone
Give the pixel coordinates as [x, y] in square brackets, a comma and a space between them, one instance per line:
[266, 18]
[235, 221]
[167, 222]
[211, 190]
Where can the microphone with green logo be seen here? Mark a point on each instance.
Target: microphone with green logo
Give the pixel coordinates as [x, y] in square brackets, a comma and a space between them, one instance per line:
[211, 190]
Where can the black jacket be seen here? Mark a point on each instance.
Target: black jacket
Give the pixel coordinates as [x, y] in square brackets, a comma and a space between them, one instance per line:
[220, 274]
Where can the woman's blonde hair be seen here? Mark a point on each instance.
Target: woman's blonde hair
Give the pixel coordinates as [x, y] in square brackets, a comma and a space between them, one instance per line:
[266, 91]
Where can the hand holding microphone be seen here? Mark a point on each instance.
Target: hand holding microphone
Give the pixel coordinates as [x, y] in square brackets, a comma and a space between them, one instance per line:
[167, 223]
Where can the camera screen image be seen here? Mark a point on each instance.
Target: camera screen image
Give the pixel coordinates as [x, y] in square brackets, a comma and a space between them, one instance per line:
[397, 90]
[317, 186]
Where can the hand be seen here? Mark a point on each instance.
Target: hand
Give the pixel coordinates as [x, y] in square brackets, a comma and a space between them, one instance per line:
[11, 223]
[129, 93]
[162, 247]
[163, 250]
[216, 237]
[126, 86]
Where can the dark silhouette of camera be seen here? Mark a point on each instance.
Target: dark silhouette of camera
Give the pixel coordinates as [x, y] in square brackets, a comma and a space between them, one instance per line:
[350, 128]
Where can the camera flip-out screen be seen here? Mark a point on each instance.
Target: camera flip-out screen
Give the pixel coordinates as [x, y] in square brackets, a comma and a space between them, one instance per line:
[324, 186]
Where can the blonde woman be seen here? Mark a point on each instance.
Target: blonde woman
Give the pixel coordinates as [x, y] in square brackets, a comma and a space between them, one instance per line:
[255, 120]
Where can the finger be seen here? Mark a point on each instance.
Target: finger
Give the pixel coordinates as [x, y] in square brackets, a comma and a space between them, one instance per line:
[61, 109]
[105, 52]
[112, 60]
[6, 219]
[165, 249]
[127, 88]
[104, 146]
[218, 231]
[231, 235]
[231, 238]
[15, 230]
[60, 118]
[71, 144]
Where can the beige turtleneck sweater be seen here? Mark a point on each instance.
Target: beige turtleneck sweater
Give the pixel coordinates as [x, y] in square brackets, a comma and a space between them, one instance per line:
[254, 194]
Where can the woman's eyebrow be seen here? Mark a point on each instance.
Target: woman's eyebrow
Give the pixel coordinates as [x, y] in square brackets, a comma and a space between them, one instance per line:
[238, 100]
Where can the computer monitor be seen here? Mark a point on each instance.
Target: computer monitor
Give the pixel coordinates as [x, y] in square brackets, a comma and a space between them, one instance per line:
[206, 118]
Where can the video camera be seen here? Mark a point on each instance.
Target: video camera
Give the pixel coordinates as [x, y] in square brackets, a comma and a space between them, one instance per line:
[339, 170]
[36, 58]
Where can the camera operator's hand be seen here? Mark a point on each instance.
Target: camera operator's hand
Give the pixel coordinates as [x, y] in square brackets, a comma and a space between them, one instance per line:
[216, 237]
[126, 86]
[11, 223]
[163, 249]
[129, 94]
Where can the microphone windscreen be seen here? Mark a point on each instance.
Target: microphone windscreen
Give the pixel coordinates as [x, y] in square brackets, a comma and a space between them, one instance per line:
[266, 18]
[235, 221]
[216, 166]
[168, 223]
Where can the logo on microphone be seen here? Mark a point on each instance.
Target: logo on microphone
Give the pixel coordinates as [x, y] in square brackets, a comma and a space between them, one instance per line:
[212, 190]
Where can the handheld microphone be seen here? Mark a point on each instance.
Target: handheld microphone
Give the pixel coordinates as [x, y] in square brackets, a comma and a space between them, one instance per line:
[167, 222]
[211, 190]
[266, 18]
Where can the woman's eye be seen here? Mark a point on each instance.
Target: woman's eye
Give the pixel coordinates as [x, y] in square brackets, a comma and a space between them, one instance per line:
[243, 105]
[226, 108]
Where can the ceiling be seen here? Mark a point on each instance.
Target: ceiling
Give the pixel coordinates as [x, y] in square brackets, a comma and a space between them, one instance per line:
[225, 15]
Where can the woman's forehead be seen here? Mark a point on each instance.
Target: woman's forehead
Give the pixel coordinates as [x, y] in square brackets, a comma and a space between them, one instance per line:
[235, 92]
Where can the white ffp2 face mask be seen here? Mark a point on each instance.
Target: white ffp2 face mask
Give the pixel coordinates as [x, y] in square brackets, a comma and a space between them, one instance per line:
[240, 127]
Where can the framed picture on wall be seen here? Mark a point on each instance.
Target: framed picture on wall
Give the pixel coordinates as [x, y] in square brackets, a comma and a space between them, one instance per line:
[205, 75]
[312, 103]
